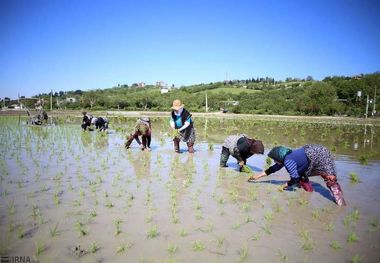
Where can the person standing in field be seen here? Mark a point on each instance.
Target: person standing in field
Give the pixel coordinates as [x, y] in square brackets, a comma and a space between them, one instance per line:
[142, 128]
[183, 126]
[241, 148]
[301, 163]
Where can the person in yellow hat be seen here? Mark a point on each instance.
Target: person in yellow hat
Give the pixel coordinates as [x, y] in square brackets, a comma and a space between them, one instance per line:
[183, 124]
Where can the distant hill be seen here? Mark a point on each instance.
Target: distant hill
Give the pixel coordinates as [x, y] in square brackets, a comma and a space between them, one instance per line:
[336, 95]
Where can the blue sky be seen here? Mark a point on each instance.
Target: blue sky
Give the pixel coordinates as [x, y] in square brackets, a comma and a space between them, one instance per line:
[90, 44]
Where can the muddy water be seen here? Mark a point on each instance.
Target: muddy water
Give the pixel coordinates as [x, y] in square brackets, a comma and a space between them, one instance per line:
[164, 207]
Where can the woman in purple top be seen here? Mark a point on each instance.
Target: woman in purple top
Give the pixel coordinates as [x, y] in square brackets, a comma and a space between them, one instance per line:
[301, 163]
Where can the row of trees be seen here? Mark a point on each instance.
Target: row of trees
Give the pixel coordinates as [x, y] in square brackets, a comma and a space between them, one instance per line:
[332, 96]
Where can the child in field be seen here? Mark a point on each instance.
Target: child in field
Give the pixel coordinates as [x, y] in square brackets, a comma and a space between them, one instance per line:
[301, 163]
[142, 128]
[240, 147]
[182, 123]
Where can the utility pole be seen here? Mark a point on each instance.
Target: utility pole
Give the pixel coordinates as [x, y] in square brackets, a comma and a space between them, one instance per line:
[206, 103]
[366, 107]
[51, 100]
[374, 102]
[19, 110]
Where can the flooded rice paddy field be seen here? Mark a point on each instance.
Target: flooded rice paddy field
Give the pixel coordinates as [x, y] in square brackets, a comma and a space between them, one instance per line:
[68, 195]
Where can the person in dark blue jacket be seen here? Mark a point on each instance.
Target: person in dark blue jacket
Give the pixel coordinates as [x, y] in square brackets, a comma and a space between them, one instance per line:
[301, 163]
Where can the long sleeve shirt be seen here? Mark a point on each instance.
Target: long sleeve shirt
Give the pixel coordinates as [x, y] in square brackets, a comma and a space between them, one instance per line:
[238, 146]
[295, 163]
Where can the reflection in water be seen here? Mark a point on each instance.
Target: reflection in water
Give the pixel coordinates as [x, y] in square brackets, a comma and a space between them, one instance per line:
[141, 162]
[368, 136]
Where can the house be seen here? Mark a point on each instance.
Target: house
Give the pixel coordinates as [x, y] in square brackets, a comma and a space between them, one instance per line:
[141, 84]
[163, 86]
[164, 90]
[71, 100]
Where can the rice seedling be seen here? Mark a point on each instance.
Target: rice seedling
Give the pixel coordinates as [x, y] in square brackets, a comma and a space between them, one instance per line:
[373, 224]
[172, 248]
[355, 214]
[93, 247]
[175, 218]
[354, 178]
[81, 229]
[335, 245]
[39, 248]
[199, 215]
[183, 232]
[198, 246]
[35, 211]
[243, 254]
[307, 242]
[246, 169]
[12, 208]
[316, 214]
[267, 229]
[149, 218]
[109, 204]
[93, 213]
[268, 216]
[363, 159]
[282, 256]
[303, 202]
[123, 248]
[255, 237]
[356, 258]
[236, 225]
[352, 237]
[330, 227]
[53, 230]
[220, 241]
[57, 201]
[153, 232]
[20, 232]
[117, 226]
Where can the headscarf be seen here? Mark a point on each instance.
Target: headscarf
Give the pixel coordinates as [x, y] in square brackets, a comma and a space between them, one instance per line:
[257, 147]
[279, 153]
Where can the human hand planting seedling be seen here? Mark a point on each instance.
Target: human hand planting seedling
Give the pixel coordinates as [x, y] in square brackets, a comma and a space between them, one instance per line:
[245, 169]
[283, 187]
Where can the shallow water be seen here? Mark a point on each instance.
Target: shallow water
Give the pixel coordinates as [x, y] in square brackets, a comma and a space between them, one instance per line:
[166, 207]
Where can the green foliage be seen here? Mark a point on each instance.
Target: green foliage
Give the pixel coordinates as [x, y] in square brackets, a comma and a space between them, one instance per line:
[258, 96]
[246, 169]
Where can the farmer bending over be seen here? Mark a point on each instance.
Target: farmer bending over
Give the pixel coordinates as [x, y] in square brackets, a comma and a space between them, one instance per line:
[241, 148]
[86, 122]
[100, 123]
[301, 163]
[142, 128]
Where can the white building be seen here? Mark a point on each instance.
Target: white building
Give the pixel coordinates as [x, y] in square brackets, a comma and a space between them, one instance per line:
[71, 100]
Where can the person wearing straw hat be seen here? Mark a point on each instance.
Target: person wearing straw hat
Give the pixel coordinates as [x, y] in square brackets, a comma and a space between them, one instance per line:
[142, 128]
[183, 124]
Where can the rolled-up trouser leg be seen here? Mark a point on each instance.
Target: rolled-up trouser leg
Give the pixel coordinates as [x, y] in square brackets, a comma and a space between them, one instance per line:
[190, 146]
[224, 157]
[336, 190]
[176, 145]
